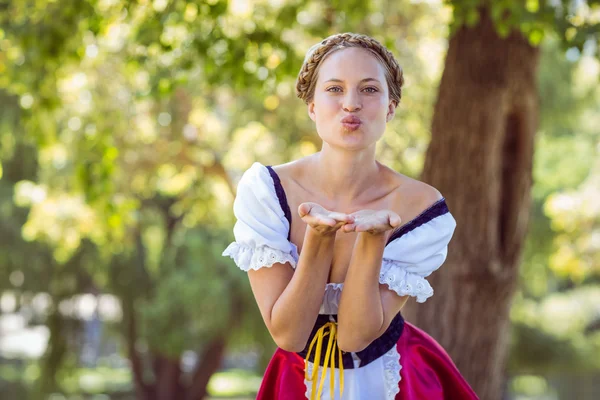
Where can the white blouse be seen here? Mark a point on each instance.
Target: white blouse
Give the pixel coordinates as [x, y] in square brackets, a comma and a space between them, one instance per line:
[261, 240]
[417, 249]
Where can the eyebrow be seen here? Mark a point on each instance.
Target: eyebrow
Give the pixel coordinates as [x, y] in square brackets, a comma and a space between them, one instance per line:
[363, 80]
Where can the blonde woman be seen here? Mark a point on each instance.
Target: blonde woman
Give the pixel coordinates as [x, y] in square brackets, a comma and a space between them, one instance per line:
[331, 278]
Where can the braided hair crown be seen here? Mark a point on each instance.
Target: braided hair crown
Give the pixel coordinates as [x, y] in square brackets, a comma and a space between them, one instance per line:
[307, 78]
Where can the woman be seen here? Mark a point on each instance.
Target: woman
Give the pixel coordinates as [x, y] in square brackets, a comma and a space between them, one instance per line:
[331, 279]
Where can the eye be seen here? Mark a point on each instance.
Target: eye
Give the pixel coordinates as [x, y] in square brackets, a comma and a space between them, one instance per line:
[371, 89]
[336, 89]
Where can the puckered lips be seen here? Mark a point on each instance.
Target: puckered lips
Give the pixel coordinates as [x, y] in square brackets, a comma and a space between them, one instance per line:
[351, 122]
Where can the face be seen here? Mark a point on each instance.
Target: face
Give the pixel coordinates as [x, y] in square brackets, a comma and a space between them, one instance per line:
[351, 104]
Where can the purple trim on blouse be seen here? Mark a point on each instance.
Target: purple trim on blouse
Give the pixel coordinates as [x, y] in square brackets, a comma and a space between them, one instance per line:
[281, 197]
[372, 352]
[435, 210]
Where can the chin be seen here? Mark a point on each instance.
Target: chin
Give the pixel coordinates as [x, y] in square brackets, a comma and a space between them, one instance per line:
[357, 139]
[353, 144]
[350, 140]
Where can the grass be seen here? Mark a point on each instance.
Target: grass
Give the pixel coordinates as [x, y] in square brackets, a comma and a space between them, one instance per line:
[234, 382]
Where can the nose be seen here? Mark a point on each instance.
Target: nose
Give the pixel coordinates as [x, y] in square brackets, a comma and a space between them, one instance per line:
[351, 102]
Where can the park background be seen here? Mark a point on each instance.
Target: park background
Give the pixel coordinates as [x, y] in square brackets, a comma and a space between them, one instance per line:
[125, 126]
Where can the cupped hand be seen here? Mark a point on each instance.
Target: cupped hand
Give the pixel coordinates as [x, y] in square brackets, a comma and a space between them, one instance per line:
[325, 222]
[373, 221]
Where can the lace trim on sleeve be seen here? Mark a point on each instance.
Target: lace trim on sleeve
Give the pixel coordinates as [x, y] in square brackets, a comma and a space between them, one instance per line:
[404, 283]
[392, 367]
[247, 257]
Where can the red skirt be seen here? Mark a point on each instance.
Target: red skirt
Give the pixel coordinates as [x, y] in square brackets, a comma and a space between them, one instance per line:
[427, 372]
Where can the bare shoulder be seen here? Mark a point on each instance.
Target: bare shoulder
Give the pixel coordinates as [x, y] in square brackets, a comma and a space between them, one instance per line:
[292, 171]
[412, 196]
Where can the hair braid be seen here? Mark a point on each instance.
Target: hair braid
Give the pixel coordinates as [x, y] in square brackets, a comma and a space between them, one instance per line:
[307, 78]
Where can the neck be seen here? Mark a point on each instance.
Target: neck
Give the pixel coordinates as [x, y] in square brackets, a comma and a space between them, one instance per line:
[342, 175]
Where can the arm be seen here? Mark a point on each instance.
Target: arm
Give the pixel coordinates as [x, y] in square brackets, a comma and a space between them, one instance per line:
[289, 301]
[366, 306]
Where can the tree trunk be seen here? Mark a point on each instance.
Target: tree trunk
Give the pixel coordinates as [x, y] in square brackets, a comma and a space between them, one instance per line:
[55, 352]
[480, 158]
[168, 384]
[210, 361]
[212, 355]
[142, 389]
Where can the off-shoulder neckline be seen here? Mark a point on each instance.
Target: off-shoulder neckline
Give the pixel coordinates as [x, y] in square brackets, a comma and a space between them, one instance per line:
[438, 208]
[281, 196]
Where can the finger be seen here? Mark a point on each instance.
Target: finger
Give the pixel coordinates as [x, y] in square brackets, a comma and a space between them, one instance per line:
[339, 225]
[362, 227]
[328, 221]
[314, 221]
[394, 220]
[349, 227]
[304, 209]
[341, 216]
[370, 228]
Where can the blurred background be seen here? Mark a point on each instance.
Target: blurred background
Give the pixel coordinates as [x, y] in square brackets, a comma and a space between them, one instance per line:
[125, 126]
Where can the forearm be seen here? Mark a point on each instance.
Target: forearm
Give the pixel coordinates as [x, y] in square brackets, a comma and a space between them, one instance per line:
[294, 313]
[361, 313]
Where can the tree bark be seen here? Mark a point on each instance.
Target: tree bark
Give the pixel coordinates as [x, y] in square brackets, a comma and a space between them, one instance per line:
[142, 389]
[210, 361]
[55, 352]
[480, 158]
[168, 384]
[211, 357]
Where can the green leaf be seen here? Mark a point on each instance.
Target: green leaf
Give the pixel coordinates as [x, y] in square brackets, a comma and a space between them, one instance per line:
[535, 36]
[532, 6]
[472, 17]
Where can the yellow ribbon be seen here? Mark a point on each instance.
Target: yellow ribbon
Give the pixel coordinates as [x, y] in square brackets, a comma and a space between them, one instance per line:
[329, 357]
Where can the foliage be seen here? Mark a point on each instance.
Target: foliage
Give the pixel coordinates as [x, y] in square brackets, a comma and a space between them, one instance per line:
[576, 23]
[556, 311]
[124, 127]
[132, 114]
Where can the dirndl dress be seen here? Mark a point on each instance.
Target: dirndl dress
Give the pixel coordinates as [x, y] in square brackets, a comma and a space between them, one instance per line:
[404, 363]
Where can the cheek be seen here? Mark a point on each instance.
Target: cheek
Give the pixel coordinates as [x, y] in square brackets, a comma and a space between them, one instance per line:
[377, 108]
[325, 107]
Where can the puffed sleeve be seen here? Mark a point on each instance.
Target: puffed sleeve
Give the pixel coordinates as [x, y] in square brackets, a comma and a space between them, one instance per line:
[416, 250]
[261, 229]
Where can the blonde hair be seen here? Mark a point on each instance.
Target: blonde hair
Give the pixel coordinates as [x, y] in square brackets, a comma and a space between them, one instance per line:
[307, 78]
